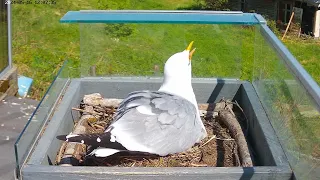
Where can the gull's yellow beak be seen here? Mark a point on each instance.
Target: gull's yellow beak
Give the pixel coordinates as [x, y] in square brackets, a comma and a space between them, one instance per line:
[190, 52]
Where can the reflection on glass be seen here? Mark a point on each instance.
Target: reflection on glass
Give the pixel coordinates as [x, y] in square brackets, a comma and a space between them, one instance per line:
[142, 49]
[292, 112]
[3, 36]
[39, 117]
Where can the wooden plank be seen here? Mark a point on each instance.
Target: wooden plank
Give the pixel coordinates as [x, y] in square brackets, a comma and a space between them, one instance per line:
[288, 26]
[9, 83]
[4, 85]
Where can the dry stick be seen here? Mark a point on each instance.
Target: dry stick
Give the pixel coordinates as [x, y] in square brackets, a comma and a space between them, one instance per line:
[233, 125]
[113, 102]
[288, 26]
[214, 137]
[77, 150]
[244, 114]
[208, 141]
[89, 112]
[236, 154]
[98, 126]
[198, 165]
[61, 150]
[205, 108]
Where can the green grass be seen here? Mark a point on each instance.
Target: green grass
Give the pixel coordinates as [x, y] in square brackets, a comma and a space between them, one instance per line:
[307, 52]
[3, 46]
[134, 49]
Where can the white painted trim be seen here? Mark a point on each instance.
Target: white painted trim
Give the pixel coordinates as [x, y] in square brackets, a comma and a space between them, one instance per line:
[316, 26]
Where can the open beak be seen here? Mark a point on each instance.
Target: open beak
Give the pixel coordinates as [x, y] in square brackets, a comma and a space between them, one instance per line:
[190, 52]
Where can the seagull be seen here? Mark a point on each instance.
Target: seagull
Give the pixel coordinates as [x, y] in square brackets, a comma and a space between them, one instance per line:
[160, 122]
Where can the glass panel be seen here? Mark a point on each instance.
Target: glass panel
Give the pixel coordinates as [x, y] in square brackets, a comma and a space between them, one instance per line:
[142, 49]
[27, 138]
[292, 112]
[4, 61]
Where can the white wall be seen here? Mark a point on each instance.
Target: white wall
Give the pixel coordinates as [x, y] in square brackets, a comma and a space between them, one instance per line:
[316, 28]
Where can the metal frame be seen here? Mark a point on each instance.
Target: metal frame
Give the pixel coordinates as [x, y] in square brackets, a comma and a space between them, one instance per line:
[161, 11]
[152, 16]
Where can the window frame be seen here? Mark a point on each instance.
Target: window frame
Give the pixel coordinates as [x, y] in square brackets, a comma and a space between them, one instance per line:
[243, 5]
[285, 10]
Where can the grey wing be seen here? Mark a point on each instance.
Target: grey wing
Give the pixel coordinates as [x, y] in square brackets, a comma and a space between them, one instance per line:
[156, 122]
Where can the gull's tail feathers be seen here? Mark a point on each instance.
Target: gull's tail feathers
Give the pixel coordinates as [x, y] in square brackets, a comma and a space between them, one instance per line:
[103, 140]
[101, 144]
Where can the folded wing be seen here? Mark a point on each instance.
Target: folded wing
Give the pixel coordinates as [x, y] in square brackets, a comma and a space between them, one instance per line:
[156, 122]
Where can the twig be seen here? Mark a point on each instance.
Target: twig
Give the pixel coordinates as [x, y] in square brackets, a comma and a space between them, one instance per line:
[89, 112]
[235, 153]
[206, 106]
[234, 127]
[98, 126]
[215, 137]
[61, 150]
[208, 124]
[77, 150]
[244, 114]
[101, 123]
[204, 113]
[96, 100]
[198, 165]
[228, 139]
[128, 159]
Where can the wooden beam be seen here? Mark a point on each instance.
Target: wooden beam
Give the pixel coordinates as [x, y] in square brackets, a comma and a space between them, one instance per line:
[288, 26]
[9, 83]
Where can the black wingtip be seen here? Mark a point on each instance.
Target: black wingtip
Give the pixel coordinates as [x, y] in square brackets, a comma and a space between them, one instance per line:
[62, 137]
[96, 140]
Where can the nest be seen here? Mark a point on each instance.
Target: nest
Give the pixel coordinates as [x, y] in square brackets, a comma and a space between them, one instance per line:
[225, 145]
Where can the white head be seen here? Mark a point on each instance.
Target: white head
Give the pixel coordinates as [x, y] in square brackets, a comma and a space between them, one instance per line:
[177, 75]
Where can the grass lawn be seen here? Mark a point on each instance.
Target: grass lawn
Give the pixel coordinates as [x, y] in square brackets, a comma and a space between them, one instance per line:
[308, 54]
[3, 46]
[135, 49]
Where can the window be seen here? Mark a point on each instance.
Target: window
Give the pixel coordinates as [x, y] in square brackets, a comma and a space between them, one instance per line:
[243, 5]
[285, 10]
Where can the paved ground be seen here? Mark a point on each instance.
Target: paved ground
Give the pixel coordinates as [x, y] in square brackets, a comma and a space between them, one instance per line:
[14, 113]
